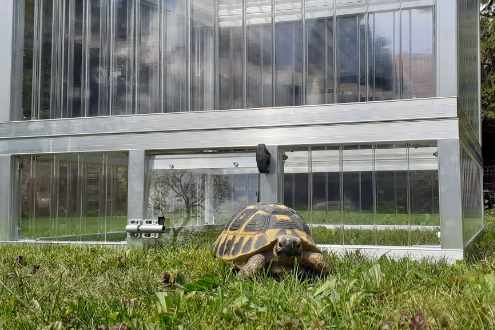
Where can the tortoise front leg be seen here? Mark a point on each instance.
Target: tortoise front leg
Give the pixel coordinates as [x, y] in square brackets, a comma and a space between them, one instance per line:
[314, 261]
[252, 266]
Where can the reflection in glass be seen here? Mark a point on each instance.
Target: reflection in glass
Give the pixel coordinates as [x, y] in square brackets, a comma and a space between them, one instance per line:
[122, 71]
[95, 57]
[417, 53]
[349, 58]
[45, 59]
[98, 59]
[190, 190]
[358, 194]
[296, 183]
[175, 56]
[148, 57]
[384, 55]
[392, 206]
[319, 53]
[288, 53]
[230, 55]
[383, 194]
[424, 192]
[327, 195]
[259, 53]
[202, 54]
[73, 197]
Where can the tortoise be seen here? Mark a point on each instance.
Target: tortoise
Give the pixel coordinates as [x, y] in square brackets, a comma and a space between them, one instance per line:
[268, 235]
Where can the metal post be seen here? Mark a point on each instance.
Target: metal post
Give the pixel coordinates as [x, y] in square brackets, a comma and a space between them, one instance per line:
[135, 191]
[271, 184]
[6, 34]
[449, 178]
[7, 175]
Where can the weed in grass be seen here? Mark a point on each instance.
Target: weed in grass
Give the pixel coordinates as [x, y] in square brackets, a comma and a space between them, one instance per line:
[58, 287]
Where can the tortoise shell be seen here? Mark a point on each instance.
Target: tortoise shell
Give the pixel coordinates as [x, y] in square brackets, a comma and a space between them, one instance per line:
[255, 229]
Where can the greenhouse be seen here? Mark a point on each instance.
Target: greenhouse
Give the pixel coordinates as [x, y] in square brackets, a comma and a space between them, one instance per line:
[123, 111]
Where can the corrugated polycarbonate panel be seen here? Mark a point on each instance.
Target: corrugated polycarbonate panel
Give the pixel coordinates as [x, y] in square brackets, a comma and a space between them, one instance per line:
[468, 67]
[73, 197]
[94, 57]
[472, 199]
[379, 194]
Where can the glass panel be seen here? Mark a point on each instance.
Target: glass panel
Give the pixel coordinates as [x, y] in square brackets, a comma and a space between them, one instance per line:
[417, 53]
[288, 53]
[392, 208]
[68, 213]
[358, 195]
[384, 56]
[94, 196]
[259, 45]
[148, 53]
[44, 201]
[26, 111]
[230, 54]
[73, 197]
[351, 51]
[202, 54]
[471, 202]
[191, 190]
[423, 162]
[46, 9]
[98, 61]
[26, 180]
[175, 55]
[296, 182]
[122, 71]
[326, 195]
[320, 53]
[116, 202]
[73, 59]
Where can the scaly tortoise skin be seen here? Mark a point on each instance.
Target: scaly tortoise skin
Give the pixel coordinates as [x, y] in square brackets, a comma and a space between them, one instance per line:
[272, 235]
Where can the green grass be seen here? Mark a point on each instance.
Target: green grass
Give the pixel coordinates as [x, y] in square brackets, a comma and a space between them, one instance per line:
[94, 228]
[74, 228]
[87, 287]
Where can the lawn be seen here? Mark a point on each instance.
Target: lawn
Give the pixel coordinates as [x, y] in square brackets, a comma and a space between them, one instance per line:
[101, 287]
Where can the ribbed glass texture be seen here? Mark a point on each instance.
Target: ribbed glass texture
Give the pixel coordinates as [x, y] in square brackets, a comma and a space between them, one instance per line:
[83, 58]
[73, 197]
[472, 201]
[380, 194]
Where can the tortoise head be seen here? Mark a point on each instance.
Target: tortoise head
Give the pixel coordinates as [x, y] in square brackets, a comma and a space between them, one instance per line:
[289, 246]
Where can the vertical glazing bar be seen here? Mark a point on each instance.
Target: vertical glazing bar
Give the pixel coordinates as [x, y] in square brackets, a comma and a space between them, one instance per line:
[162, 8]
[335, 37]
[36, 60]
[304, 52]
[341, 190]
[106, 178]
[401, 53]
[216, 52]
[408, 194]
[86, 32]
[374, 192]
[274, 63]
[310, 184]
[358, 38]
[18, 63]
[135, 18]
[188, 50]
[6, 207]
[244, 55]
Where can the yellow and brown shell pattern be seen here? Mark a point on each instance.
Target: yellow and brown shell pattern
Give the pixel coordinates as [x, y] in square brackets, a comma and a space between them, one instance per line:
[256, 228]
